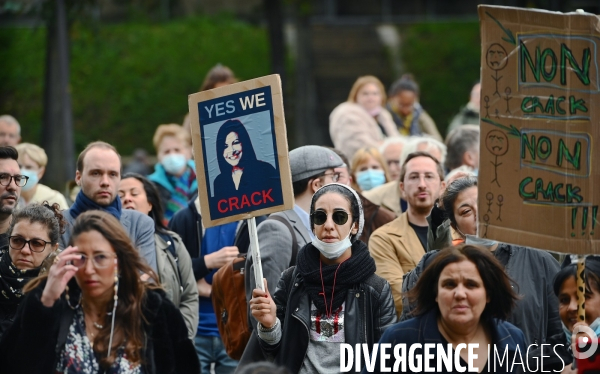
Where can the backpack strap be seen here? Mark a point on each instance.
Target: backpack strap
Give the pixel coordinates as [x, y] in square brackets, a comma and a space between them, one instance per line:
[294, 240]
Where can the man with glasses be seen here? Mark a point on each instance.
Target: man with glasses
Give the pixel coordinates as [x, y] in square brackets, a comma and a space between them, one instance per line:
[312, 167]
[398, 246]
[11, 182]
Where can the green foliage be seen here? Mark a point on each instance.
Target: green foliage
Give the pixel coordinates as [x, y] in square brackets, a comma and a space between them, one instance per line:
[128, 78]
[22, 75]
[444, 59]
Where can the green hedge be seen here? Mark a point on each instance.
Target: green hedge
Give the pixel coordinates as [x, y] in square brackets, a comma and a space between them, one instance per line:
[127, 78]
[445, 60]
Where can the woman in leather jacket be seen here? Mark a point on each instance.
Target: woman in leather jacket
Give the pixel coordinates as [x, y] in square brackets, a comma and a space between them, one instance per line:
[331, 296]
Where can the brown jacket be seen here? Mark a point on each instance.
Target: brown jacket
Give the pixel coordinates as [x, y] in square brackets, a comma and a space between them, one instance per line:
[375, 217]
[396, 250]
[351, 128]
[387, 195]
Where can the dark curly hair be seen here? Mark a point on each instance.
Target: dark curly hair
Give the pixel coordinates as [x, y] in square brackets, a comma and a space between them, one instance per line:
[48, 215]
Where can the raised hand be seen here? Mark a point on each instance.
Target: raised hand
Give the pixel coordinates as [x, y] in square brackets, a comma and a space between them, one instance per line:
[59, 275]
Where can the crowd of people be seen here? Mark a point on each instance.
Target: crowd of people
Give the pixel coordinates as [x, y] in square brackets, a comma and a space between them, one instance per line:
[381, 246]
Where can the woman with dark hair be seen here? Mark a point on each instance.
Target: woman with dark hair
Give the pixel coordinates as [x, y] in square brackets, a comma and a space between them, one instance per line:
[33, 237]
[459, 204]
[331, 296]
[565, 288]
[92, 312]
[463, 297]
[241, 173]
[409, 115]
[173, 260]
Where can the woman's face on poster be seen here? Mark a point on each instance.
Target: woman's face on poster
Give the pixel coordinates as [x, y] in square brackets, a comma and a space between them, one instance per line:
[233, 149]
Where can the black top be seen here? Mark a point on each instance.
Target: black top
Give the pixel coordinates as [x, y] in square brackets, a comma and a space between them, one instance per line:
[3, 242]
[421, 232]
[167, 348]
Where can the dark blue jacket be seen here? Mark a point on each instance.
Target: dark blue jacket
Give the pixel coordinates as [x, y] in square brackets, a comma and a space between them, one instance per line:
[424, 329]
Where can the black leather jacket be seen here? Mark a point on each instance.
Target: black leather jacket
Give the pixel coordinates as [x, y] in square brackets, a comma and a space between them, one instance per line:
[369, 310]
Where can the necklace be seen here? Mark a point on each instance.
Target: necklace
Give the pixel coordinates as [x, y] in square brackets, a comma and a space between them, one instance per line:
[94, 323]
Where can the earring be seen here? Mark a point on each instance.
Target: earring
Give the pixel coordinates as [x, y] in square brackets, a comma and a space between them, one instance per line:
[69, 299]
[114, 311]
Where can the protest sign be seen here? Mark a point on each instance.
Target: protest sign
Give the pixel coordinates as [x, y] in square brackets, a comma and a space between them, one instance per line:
[241, 152]
[540, 118]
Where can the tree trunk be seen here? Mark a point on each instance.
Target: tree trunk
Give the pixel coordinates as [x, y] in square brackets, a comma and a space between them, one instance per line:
[57, 131]
[274, 15]
[307, 130]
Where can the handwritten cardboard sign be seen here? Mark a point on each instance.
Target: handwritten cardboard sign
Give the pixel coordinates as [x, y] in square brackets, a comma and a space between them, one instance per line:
[241, 152]
[540, 118]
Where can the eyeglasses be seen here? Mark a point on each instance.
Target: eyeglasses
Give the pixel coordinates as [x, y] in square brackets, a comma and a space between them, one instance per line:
[414, 178]
[35, 245]
[340, 217]
[334, 176]
[100, 260]
[20, 180]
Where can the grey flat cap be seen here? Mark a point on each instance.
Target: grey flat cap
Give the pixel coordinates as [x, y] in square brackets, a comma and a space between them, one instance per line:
[311, 160]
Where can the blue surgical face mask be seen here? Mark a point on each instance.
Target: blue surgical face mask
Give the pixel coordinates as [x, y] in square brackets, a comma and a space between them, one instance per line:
[370, 178]
[174, 163]
[595, 326]
[32, 181]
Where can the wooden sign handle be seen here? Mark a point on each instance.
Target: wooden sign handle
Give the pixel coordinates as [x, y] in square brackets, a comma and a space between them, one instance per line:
[257, 264]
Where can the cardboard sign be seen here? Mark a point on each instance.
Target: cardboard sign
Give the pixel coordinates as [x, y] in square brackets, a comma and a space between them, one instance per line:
[540, 118]
[241, 152]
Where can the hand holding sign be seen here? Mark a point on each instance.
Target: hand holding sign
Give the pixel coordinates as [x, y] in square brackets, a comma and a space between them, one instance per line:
[241, 153]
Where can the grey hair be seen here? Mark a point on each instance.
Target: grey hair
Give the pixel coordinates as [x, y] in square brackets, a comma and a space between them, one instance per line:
[460, 140]
[461, 169]
[351, 196]
[400, 139]
[413, 145]
[7, 118]
[48, 216]
[451, 193]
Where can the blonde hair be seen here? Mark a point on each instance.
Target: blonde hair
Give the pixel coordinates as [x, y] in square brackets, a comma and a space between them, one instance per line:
[363, 155]
[36, 153]
[172, 129]
[360, 82]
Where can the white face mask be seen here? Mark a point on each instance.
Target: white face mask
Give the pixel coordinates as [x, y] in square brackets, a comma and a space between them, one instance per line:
[333, 250]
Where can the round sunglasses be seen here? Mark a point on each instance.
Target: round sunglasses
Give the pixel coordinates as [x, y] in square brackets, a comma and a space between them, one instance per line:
[340, 217]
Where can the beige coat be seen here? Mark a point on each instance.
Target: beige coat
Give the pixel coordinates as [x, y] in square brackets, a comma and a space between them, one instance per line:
[45, 193]
[396, 250]
[387, 195]
[352, 128]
